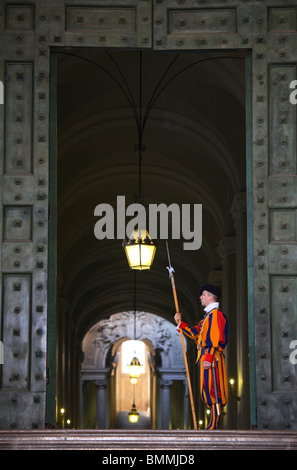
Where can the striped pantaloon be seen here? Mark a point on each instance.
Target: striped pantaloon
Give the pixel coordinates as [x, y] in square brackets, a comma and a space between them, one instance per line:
[207, 390]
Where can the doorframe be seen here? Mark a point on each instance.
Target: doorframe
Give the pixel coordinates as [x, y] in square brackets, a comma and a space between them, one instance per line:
[50, 407]
[250, 238]
[51, 402]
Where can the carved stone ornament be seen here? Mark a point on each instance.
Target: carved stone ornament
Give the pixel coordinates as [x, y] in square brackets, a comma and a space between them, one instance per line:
[158, 331]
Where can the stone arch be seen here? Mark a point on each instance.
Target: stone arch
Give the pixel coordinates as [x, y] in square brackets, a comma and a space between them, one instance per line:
[119, 326]
[100, 346]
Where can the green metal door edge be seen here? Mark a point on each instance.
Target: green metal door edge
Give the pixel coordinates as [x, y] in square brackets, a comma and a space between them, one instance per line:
[50, 417]
[250, 250]
[50, 413]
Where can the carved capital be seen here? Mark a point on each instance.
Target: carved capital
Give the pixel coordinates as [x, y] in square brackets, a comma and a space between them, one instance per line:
[238, 205]
[165, 383]
[101, 384]
[227, 246]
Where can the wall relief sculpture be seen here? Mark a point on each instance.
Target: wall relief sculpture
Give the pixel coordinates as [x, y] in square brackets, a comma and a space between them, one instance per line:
[158, 331]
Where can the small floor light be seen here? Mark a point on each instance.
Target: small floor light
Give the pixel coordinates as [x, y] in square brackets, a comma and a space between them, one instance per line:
[232, 384]
[62, 414]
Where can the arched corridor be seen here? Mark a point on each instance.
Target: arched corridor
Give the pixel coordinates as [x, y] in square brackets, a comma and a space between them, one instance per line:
[194, 154]
[106, 387]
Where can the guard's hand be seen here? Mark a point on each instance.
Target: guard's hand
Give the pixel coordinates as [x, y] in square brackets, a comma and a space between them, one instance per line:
[206, 365]
[177, 318]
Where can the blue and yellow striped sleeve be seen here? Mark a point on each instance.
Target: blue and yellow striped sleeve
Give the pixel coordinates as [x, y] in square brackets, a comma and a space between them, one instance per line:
[191, 332]
[211, 334]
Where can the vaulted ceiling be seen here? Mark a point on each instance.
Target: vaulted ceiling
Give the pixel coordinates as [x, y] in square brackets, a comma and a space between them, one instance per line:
[194, 153]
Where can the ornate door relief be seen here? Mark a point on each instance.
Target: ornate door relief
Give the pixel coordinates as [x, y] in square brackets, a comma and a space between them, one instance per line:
[267, 31]
[203, 25]
[28, 31]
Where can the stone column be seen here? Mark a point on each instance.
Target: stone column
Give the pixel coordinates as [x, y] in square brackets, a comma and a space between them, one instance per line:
[165, 403]
[81, 404]
[227, 252]
[153, 397]
[101, 386]
[241, 389]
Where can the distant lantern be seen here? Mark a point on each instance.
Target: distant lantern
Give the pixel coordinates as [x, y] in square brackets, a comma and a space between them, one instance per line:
[133, 415]
[134, 369]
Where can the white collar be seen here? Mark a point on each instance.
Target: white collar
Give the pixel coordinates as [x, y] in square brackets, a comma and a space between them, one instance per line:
[211, 306]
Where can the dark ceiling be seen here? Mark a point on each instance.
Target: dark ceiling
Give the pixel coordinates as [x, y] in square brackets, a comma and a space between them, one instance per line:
[194, 154]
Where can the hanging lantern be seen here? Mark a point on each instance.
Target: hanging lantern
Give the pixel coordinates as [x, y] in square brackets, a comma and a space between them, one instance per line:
[140, 250]
[134, 369]
[133, 415]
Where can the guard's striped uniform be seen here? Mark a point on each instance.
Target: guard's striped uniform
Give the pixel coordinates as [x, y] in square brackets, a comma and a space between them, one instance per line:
[211, 337]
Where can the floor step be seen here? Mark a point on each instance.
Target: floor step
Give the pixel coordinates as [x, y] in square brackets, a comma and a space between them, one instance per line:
[150, 440]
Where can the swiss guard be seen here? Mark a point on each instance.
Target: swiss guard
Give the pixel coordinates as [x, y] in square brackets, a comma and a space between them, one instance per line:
[211, 337]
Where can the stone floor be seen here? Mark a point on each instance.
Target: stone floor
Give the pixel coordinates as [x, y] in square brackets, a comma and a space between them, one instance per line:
[148, 440]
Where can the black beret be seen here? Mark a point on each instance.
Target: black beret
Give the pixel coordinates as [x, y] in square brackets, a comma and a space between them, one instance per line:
[212, 289]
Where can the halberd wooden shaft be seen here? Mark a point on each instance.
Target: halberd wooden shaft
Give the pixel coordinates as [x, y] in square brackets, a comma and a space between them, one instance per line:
[170, 269]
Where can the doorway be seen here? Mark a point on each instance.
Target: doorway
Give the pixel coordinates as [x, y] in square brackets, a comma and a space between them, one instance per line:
[194, 153]
[129, 394]
[106, 390]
